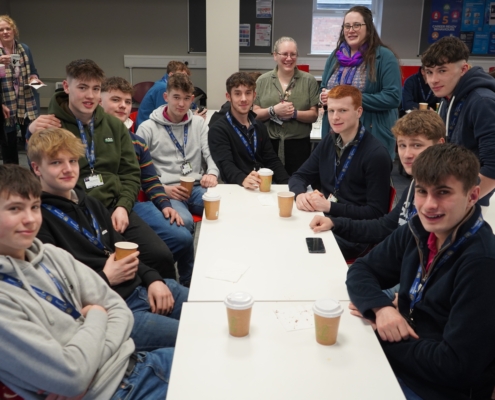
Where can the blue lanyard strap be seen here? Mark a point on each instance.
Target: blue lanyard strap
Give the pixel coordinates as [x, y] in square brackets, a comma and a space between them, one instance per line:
[65, 305]
[176, 142]
[422, 91]
[455, 117]
[90, 151]
[420, 282]
[96, 240]
[348, 161]
[251, 151]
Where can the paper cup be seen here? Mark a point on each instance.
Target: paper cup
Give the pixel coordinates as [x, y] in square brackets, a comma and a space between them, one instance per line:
[423, 106]
[123, 249]
[15, 59]
[211, 201]
[327, 317]
[239, 306]
[266, 179]
[188, 183]
[285, 203]
[2, 70]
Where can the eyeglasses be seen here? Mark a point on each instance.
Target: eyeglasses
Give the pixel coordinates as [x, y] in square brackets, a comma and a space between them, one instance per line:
[355, 27]
[287, 55]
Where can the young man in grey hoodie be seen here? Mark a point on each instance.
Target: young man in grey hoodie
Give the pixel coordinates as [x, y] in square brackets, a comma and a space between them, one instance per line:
[65, 332]
[178, 140]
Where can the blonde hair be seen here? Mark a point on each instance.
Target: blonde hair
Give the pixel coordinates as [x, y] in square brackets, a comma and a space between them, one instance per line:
[49, 142]
[282, 40]
[12, 24]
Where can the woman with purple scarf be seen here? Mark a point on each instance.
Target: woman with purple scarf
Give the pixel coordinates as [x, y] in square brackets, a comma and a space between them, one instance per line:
[363, 61]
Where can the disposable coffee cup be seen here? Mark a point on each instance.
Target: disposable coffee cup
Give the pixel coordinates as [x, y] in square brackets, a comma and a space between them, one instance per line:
[266, 179]
[123, 249]
[15, 59]
[211, 201]
[188, 183]
[327, 317]
[239, 306]
[2, 70]
[423, 106]
[285, 203]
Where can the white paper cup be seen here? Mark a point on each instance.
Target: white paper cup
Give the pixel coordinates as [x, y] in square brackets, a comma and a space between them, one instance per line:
[327, 317]
[239, 306]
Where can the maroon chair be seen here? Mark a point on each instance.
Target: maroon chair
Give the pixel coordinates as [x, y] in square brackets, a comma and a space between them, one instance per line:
[140, 90]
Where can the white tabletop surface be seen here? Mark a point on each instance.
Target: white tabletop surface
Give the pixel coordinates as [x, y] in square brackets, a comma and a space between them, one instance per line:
[271, 363]
[274, 249]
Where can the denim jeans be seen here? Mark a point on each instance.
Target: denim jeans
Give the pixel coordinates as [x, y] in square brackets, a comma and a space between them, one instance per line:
[408, 393]
[178, 238]
[150, 377]
[154, 331]
[193, 205]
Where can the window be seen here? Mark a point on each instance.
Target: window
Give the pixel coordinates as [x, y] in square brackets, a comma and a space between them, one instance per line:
[328, 16]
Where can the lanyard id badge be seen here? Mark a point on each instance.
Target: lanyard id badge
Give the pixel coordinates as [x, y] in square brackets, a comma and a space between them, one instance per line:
[186, 168]
[93, 181]
[332, 198]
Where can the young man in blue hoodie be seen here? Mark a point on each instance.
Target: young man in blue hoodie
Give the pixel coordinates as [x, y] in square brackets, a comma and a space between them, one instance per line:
[439, 339]
[65, 332]
[468, 101]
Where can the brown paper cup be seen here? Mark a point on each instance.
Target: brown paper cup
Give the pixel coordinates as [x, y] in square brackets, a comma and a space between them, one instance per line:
[212, 209]
[266, 183]
[239, 321]
[326, 330]
[285, 203]
[188, 183]
[423, 106]
[123, 249]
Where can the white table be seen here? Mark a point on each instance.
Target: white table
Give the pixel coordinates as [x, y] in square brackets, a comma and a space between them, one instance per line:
[280, 267]
[271, 363]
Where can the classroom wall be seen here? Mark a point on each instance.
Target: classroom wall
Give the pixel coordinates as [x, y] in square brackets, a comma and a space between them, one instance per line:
[59, 31]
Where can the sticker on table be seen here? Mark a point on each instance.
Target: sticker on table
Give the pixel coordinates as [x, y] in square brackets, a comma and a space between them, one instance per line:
[227, 270]
[266, 200]
[296, 318]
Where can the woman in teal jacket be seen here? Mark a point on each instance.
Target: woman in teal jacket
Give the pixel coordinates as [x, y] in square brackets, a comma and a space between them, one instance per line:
[362, 60]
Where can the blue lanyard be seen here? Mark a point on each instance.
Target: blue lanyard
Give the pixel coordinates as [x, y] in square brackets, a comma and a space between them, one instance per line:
[455, 117]
[174, 139]
[348, 161]
[90, 151]
[74, 225]
[419, 284]
[422, 91]
[243, 139]
[65, 305]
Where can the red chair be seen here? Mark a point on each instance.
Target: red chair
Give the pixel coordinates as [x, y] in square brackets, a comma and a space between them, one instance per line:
[133, 117]
[6, 393]
[140, 90]
[393, 193]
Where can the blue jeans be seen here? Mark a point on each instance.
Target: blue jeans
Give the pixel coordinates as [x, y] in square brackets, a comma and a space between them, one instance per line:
[150, 377]
[408, 393]
[193, 205]
[392, 291]
[154, 331]
[178, 238]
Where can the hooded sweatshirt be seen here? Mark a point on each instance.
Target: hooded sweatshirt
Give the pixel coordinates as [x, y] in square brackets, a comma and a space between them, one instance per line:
[55, 231]
[115, 157]
[166, 157]
[42, 347]
[475, 126]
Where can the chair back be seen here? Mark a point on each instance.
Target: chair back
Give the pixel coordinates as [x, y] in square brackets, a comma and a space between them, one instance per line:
[140, 90]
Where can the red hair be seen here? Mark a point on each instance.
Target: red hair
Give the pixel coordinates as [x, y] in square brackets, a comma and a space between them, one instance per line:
[341, 91]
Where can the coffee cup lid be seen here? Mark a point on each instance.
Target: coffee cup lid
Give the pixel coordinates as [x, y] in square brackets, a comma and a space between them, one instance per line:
[265, 172]
[211, 195]
[239, 301]
[327, 308]
[286, 194]
[126, 245]
[187, 179]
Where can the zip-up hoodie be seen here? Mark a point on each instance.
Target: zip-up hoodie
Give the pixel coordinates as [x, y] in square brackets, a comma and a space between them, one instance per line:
[475, 127]
[42, 347]
[166, 157]
[115, 157]
[455, 319]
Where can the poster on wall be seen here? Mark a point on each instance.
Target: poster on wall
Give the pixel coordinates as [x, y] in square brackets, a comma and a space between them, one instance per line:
[263, 35]
[445, 19]
[244, 35]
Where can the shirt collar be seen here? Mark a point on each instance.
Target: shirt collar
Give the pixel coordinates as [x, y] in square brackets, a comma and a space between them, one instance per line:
[167, 117]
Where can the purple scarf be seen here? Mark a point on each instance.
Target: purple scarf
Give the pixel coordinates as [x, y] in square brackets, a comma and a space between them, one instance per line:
[343, 55]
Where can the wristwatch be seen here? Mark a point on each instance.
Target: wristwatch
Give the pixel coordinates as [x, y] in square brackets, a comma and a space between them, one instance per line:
[294, 114]
[271, 111]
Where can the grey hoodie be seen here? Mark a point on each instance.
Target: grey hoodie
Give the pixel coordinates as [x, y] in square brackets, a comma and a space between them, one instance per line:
[166, 157]
[43, 348]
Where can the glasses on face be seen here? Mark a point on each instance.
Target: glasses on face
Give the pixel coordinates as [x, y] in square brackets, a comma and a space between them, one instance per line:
[287, 55]
[355, 27]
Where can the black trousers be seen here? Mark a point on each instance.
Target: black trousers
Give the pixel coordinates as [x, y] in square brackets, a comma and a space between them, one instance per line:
[297, 151]
[152, 250]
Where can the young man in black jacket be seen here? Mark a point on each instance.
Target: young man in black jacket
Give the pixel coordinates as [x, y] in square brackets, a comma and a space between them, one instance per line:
[82, 225]
[239, 144]
[439, 340]
[352, 166]
[414, 133]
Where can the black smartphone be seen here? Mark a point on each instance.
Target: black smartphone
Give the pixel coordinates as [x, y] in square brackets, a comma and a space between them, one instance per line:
[200, 109]
[315, 245]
